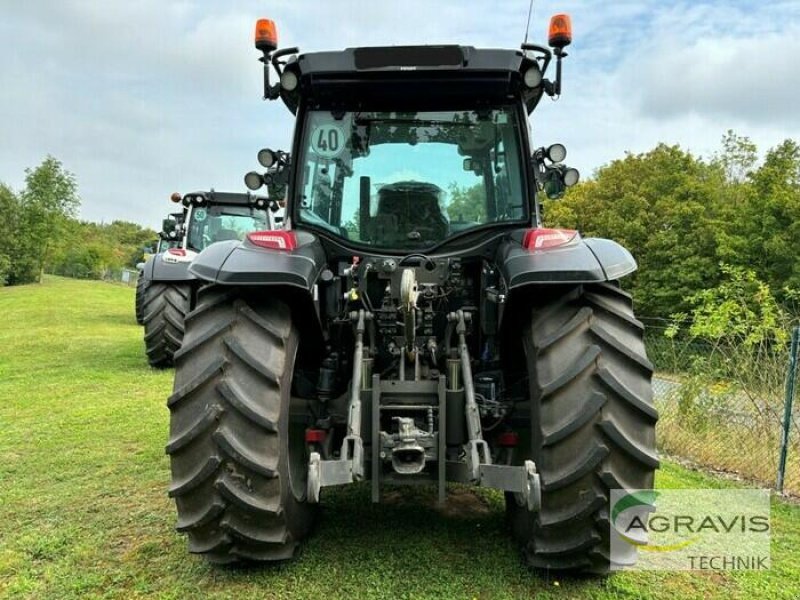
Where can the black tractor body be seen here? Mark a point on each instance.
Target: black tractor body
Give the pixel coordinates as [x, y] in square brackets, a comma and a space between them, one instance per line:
[413, 321]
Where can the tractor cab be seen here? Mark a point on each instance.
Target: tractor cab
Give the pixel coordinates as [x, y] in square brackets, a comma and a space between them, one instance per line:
[211, 217]
[403, 149]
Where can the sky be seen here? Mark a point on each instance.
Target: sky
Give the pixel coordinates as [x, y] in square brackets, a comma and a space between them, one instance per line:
[143, 98]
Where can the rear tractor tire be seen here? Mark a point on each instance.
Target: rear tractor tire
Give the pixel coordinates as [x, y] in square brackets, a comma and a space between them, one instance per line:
[592, 425]
[141, 286]
[164, 309]
[239, 467]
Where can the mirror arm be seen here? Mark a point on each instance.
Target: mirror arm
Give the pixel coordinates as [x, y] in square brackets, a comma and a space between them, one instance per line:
[545, 55]
[280, 54]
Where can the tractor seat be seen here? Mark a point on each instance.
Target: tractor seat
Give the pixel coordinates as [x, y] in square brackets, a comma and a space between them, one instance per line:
[412, 207]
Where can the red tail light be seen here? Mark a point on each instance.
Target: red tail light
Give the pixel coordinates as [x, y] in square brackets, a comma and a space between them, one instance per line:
[315, 436]
[177, 251]
[274, 240]
[542, 239]
[508, 439]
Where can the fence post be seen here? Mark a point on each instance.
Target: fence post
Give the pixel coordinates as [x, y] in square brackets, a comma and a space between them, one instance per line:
[787, 407]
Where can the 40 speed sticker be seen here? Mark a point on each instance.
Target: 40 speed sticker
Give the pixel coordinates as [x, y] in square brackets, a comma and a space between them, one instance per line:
[328, 141]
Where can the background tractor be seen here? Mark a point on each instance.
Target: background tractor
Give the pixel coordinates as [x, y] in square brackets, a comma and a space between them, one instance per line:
[167, 238]
[413, 321]
[167, 288]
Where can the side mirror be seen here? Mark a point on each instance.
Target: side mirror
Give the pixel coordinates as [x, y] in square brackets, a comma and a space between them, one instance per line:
[475, 166]
[554, 185]
[557, 179]
[554, 178]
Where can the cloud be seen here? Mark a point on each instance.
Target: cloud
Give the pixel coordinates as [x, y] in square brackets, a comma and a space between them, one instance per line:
[681, 73]
[143, 98]
[733, 67]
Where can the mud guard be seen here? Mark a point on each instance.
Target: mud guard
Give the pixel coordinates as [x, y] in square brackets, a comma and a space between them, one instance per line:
[239, 263]
[290, 275]
[589, 260]
[156, 269]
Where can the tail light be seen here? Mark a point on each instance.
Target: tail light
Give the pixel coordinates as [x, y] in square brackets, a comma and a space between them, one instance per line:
[508, 439]
[542, 239]
[274, 240]
[315, 436]
[177, 251]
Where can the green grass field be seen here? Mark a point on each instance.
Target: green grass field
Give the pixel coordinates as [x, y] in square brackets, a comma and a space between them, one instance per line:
[84, 510]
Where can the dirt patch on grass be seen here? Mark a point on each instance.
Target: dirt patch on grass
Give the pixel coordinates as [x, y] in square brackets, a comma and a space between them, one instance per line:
[461, 503]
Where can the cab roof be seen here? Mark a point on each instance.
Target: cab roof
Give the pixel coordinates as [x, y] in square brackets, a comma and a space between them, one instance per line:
[415, 76]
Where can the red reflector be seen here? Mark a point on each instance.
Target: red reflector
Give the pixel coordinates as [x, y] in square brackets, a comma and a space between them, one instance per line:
[542, 239]
[508, 439]
[177, 251]
[315, 436]
[275, 240]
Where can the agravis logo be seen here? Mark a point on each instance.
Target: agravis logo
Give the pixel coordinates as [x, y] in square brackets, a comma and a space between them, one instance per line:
[690, 529]
[630, 518]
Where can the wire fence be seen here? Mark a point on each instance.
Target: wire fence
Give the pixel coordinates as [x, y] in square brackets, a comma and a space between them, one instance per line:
[125, 275]
[727, 407]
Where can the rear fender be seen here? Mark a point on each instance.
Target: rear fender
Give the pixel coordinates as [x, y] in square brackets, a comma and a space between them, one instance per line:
[155, 269]
[243, 264]
[146, 272]
[586, 261]
[289, 275]
[528, 277]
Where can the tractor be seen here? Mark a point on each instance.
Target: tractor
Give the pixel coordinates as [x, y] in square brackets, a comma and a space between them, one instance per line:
[167, 238]
[168, 290]
[413, 321]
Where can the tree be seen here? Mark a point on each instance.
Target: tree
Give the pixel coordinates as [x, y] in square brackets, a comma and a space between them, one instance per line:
[94, 249]
[9, 214]
[771, 227]
[738, 157]
[740, 310]
[49, 199]
[660, 205]
[467, 203]
[129, 238]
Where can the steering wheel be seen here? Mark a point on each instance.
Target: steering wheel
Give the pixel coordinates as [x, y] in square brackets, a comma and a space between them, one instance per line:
[429, 264]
